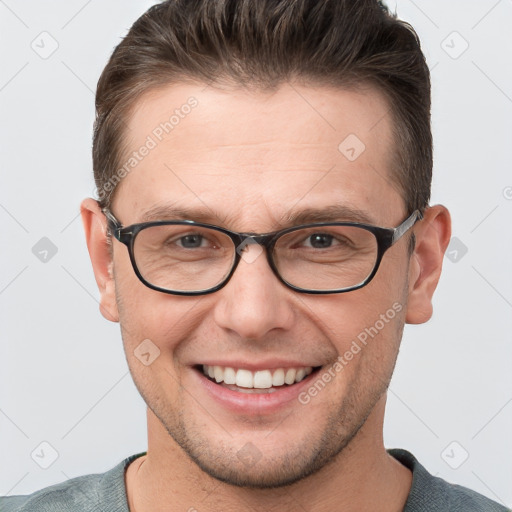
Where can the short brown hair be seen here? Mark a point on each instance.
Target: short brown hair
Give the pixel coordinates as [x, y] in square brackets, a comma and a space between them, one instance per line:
[261, 44]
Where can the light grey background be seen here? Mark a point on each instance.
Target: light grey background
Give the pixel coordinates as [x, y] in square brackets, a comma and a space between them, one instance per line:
[64, 379]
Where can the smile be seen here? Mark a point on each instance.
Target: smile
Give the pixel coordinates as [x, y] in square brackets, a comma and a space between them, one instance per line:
[260, 381]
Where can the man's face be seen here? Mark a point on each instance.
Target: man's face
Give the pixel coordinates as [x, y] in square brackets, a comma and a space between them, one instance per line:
[247, 161]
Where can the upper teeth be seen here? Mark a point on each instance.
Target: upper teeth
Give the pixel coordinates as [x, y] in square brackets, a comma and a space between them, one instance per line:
[261, 379]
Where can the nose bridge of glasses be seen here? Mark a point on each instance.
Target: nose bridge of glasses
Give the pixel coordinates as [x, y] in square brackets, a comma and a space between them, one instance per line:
[259, 242]
[242, 241]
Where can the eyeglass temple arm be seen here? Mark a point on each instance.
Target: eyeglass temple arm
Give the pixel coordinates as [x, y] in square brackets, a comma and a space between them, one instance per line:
[112, 222]
[110, 217]
[406, 225]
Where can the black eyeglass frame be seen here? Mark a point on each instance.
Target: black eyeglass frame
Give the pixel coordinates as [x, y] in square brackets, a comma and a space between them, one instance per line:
[386, 238]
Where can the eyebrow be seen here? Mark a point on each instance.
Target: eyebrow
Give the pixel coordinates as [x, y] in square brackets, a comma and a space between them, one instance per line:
[331, 213]
[173, 212]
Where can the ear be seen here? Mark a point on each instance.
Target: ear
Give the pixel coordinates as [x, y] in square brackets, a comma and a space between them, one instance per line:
[432, 237]
[95, 226]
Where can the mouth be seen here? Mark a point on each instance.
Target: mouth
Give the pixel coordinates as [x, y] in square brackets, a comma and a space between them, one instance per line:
[262, 381]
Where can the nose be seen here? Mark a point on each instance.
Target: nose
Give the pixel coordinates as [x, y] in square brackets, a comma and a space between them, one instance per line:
[254, 302]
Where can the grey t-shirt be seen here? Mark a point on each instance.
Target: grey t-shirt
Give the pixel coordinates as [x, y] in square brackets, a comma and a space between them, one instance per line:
[106, 492]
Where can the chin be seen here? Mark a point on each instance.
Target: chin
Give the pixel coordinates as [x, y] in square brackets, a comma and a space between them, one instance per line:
[260, 471]
[262, 462]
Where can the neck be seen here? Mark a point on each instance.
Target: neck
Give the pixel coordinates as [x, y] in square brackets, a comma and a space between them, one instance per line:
[363, 476]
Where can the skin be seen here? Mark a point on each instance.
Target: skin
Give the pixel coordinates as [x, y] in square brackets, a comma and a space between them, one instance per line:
[249, 159]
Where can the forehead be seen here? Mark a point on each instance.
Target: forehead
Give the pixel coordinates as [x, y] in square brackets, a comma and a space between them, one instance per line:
[251, 157]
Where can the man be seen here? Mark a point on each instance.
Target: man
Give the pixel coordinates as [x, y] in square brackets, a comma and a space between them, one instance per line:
[262, 234]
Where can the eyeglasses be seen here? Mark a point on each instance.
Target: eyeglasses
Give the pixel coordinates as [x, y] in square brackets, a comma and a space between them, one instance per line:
[191, 258]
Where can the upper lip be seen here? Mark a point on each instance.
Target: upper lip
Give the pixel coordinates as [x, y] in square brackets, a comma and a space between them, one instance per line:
[269, 364]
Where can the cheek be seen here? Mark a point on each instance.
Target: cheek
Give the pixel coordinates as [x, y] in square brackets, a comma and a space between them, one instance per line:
[368, 356]
[155, 328]
[147, 314]
[365, 326]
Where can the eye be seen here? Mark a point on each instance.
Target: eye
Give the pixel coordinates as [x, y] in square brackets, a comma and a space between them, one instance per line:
[319, 240]
[192, 241]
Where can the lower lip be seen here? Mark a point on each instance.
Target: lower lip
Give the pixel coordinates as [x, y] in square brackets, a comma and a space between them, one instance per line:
[254, 403]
